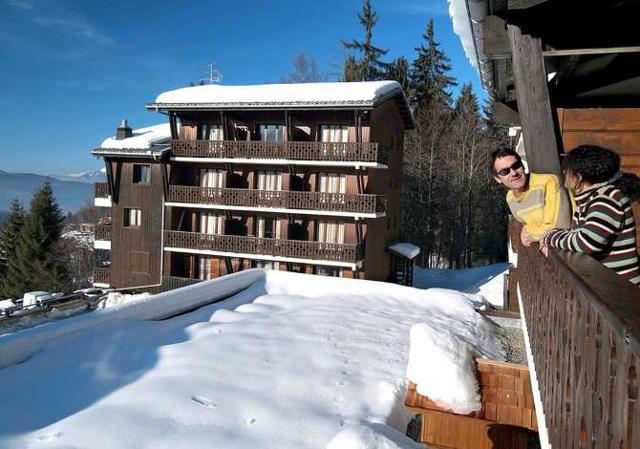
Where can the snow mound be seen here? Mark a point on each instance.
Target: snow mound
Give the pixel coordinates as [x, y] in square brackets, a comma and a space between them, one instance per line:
[309, 357]
[114, 299]
[441, 366]
[371, 436]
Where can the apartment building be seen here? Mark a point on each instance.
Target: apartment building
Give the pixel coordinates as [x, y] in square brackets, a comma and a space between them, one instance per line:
[296, 177]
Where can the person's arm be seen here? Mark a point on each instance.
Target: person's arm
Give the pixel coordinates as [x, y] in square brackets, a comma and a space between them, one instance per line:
[603, 221]
[555, 205]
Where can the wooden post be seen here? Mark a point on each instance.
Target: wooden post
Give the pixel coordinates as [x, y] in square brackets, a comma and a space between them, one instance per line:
[534, 106]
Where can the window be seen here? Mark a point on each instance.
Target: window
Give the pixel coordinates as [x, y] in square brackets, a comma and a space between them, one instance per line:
[329, 271]
[132, 217]
[330, 232]
[141, 174]
[210, 132]
[332, 183]
[211, 178]
[268, 228]
[208, 267]
[267, 265]
[332, 133]
[272, 133]
[269, 180]
[211, 223]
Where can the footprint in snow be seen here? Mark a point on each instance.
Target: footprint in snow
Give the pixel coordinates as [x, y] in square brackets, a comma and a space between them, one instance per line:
[50, 436]
[205, 402]
[250, 422]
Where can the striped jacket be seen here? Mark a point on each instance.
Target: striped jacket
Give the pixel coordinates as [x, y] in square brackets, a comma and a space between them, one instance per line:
[603, 227]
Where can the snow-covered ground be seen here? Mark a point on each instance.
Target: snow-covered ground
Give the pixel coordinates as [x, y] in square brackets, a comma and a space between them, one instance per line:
[487, 282]
[292, 361]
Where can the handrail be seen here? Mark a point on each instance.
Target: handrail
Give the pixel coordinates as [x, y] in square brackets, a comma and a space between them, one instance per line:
[300, 249]
[583, 323]
[325, 201]
[365, 152]
[101, 190]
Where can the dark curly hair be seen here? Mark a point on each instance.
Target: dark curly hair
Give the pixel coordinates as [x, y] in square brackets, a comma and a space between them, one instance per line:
[596, 165]
[499, 153]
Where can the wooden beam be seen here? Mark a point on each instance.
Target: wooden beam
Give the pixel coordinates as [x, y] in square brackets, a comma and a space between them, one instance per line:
[505, 115]
[496, 40]
[534, 106]
[590, 51]
[524, 4]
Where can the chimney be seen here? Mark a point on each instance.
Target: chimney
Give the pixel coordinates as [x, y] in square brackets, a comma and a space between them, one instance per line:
[123, 130]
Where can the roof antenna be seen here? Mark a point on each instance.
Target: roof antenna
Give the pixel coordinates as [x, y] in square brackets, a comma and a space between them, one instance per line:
[215, 75]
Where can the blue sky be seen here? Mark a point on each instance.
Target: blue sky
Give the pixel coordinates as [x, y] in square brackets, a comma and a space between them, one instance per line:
[71, 69]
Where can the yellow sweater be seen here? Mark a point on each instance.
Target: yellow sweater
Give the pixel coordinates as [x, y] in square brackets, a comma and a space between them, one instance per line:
[543, 206]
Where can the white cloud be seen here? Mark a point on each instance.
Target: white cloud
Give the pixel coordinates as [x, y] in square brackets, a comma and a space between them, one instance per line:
[64, 21]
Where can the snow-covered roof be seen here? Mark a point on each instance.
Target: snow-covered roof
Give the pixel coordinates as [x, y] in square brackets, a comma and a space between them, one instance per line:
[301, 95]
[468, 18]
[408, 250]
[148, 141]
[293, 358]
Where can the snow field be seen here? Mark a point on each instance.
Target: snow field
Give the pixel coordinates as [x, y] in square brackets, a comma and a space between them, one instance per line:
[293, 361]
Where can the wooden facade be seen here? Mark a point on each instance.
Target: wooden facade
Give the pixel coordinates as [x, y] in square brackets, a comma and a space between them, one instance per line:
[240, 188]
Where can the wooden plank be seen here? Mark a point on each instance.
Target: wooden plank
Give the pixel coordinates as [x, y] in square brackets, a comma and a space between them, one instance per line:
[610, 119]
[534, 105]
[524, 4]
[496, 40]
[505, 115]
[590, 51]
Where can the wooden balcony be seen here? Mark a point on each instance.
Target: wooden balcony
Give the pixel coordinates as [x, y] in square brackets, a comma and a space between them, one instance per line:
[583, 326]
[101, 190]
[102, 232]
[339, 203]
[102, 275]
[173, 282]
[290, 249]
[367, 153]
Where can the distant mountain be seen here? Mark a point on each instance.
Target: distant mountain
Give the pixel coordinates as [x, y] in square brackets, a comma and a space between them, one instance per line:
[71, 195]
[84, 176]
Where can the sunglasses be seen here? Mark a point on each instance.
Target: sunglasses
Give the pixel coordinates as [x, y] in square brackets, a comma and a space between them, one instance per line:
[505, 171]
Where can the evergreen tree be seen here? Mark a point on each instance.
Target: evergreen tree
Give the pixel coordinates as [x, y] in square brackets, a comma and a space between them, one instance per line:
[428, 75]
[40, 263]
[11, 230]
[369, 67]
[351, 70]
[399, 71]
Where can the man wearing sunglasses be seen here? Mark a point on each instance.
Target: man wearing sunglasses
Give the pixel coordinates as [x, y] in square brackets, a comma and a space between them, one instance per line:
[536, 200]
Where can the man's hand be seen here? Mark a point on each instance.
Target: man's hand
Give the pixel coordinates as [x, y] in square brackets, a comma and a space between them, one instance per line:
[524, 237]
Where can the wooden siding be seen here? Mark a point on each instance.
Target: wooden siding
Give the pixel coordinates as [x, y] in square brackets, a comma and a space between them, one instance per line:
[387, 128]
[136, 250]
[616, 129]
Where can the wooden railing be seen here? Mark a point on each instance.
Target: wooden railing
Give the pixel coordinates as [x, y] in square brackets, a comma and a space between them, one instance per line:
[101, 190]
[299, 249]
[173, 282]
[102, 275]
[102, 232]
[583, 324]
[299, 151]
[337, 202]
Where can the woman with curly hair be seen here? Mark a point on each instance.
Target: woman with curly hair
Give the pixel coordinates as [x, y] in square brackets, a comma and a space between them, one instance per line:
[603, 225]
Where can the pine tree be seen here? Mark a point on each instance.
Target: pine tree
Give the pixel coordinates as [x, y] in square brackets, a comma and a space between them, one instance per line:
[11, 230]
[40, 263]
[428, 75]
[369, 66]
[399, 71]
